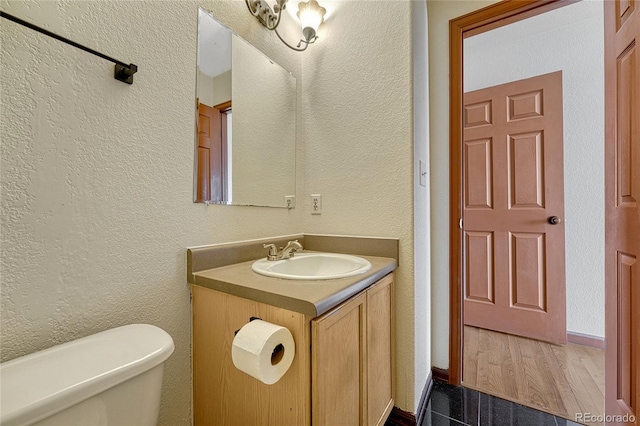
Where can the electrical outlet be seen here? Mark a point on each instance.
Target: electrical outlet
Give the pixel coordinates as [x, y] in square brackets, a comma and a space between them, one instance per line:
[316, 204]
[290, 201]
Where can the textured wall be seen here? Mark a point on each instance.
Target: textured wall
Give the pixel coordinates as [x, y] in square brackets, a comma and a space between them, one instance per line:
[440, 12]
[357, 109]
[97, 176]
[568, 39]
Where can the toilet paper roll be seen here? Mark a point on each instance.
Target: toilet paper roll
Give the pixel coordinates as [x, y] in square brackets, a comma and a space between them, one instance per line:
[263, 350]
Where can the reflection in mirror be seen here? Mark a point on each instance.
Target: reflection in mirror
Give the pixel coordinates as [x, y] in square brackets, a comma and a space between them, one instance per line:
[246, 126]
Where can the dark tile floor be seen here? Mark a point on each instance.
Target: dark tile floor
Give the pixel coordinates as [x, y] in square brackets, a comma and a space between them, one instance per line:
[454, 406]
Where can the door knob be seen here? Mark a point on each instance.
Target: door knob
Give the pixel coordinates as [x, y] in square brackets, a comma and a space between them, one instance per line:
[554, 220]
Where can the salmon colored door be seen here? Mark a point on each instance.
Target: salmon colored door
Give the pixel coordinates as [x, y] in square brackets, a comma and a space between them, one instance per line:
[622, 231]
[513, 227]
[209, 153]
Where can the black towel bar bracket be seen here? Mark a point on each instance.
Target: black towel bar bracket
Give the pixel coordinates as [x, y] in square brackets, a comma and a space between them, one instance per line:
[122, 72]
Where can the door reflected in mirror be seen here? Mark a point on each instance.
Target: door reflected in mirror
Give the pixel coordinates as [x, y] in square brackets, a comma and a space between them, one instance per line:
[246, 122]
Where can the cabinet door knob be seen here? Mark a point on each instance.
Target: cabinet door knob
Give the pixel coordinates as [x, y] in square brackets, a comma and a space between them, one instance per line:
[554, 220]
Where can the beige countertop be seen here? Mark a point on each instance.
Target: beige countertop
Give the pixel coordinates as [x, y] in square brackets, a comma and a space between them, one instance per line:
[308, 297]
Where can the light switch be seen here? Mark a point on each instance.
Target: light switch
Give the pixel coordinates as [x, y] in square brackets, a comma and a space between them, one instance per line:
[423, 173]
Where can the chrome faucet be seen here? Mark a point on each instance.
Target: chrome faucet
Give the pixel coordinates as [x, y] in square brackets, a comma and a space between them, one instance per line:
[290, 248]
[283, 253]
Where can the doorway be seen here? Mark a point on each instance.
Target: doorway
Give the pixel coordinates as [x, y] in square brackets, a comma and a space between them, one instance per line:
[585, 268]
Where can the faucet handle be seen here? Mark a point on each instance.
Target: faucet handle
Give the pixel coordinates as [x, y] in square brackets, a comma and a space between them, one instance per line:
[273, 251]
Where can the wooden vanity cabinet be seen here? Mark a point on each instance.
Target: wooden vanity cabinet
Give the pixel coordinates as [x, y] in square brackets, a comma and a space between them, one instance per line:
[352, 360]
[342, 373]
[224, 395]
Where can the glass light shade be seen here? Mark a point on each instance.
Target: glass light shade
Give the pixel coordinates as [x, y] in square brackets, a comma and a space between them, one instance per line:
[311, 15]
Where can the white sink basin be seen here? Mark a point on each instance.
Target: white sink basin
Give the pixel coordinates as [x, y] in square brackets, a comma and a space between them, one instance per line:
[313, 266]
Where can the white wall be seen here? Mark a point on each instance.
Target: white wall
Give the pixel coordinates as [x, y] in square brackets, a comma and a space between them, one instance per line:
[204, 88]
[568, 39]
[213, 90]
[221, 88]
[440, 13]
[358, 132]
[97, 176]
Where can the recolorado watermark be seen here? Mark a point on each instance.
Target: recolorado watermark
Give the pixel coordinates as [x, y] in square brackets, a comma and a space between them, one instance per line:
[599, 418]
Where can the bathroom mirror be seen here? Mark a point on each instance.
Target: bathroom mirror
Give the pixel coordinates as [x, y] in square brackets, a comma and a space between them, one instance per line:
[245, 143]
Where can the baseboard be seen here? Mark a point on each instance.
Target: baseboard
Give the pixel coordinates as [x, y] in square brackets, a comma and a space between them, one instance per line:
[585, 340]
[440, 374]
[399, 417]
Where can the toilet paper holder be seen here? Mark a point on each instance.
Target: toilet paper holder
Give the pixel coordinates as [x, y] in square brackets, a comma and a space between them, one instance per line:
[250, 319]
[278, 351]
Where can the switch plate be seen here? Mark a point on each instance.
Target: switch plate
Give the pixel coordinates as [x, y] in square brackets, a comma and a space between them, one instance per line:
[423, 172]
[316, 204]
[290, 201]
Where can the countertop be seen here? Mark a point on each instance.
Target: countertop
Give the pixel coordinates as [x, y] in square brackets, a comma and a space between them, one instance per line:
[308, 297]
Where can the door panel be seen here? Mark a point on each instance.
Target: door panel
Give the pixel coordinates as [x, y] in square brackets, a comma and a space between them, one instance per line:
[624, 9]
[479, 266]
[527, 283]
[477, 114]
[203, 182]
[526, 171]
[622, 228]
[525, 105]
[626, 271]
[624, 184]
[479, 177]
[339, 380]
[513, 182]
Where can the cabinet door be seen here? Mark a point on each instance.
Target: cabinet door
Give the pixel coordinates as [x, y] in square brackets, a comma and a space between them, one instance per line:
[380, 351]
[339, 365]
[224, 395]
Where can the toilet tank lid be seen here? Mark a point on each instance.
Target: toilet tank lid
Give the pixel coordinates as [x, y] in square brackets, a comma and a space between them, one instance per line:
[38, 385]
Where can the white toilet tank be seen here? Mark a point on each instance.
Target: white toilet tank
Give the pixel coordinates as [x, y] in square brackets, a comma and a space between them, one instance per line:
[109, 378]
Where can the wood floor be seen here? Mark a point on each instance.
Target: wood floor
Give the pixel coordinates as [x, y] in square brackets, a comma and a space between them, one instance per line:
[561, 380]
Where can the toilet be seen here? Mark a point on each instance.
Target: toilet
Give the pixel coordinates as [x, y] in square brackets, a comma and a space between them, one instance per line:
[109, 378]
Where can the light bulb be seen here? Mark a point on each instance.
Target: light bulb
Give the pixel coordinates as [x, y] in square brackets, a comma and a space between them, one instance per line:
[311, 15]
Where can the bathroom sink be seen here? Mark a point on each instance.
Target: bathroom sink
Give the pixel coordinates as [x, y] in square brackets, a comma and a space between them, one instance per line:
[313, 266]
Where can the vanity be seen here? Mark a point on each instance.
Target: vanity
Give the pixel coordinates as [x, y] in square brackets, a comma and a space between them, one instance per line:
[343, 369]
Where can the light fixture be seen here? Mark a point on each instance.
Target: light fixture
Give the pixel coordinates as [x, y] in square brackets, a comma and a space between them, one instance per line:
[310, 13]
